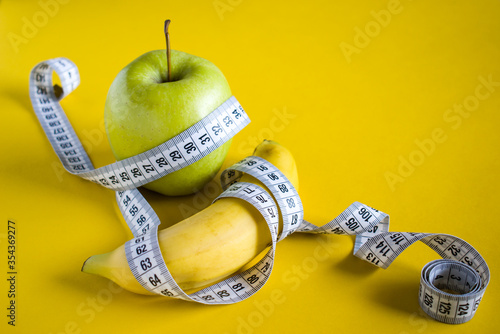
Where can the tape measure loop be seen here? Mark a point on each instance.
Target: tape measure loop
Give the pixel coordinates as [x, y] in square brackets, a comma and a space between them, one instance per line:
[287, 198]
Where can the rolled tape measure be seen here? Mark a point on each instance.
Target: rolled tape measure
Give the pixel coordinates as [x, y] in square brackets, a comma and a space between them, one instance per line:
[450, 289]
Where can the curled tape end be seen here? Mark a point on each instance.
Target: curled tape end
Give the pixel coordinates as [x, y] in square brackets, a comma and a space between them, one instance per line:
[58, 91]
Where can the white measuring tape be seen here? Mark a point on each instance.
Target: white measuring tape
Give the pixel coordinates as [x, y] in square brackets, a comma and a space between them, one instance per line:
[450, 289]
[184, 149]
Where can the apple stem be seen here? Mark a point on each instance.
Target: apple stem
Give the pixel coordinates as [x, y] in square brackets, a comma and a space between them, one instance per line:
[167, 38]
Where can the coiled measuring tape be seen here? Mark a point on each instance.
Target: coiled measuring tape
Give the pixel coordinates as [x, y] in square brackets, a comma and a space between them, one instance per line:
[450, 289]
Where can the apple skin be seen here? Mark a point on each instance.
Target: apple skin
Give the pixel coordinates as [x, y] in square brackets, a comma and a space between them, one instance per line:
[143, 110]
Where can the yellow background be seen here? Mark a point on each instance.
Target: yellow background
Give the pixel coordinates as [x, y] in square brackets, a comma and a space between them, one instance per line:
[352, 108]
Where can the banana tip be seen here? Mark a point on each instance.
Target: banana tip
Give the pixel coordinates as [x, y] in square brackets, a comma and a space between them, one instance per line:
[265, 141]
[83, 266]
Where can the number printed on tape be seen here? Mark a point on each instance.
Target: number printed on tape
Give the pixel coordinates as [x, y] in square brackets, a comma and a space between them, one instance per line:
[462, 269]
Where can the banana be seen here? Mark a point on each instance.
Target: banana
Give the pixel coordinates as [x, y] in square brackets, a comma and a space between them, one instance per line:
[210, 245]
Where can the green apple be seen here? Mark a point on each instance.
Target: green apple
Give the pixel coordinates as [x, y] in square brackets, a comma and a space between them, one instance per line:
[143, 110]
